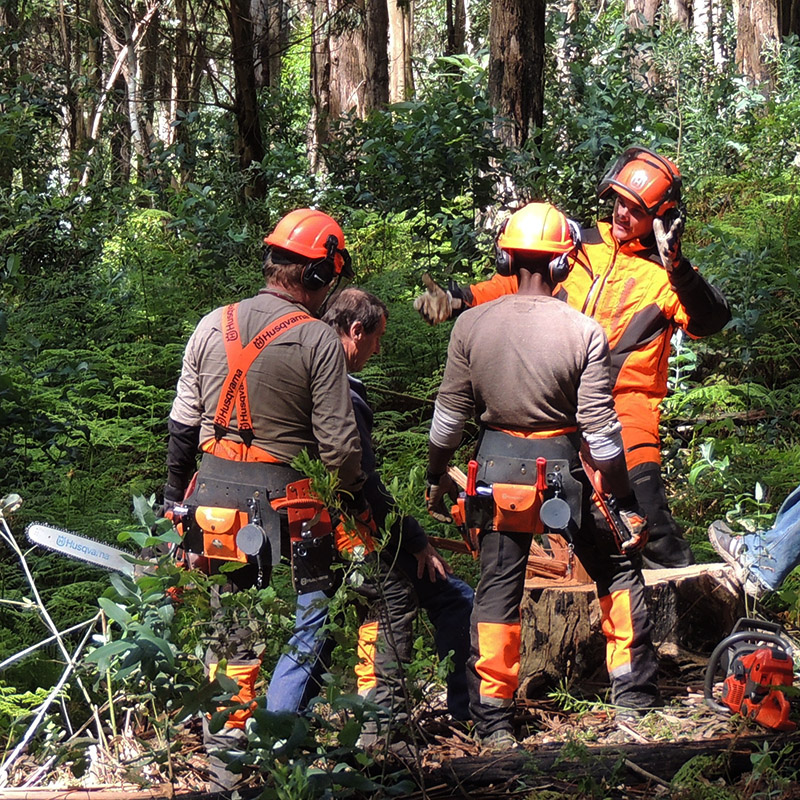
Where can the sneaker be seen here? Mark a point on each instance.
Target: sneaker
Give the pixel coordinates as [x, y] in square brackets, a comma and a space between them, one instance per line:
[498, 741]
[733, 549]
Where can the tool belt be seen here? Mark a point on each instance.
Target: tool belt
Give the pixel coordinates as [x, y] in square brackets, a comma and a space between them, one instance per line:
[238, 510]
[525, 485]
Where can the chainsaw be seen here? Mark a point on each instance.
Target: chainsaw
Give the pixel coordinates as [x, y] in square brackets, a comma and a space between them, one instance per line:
[81, 547]
[757, 661]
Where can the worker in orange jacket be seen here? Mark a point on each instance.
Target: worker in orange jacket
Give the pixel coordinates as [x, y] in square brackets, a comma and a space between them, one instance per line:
[630, 275]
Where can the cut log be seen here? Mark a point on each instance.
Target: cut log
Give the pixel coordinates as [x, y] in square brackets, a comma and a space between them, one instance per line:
[641, 763]
[691, 609]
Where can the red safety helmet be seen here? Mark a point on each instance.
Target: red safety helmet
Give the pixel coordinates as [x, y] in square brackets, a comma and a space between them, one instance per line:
[316, 237]
[537, 228]
[644, 177]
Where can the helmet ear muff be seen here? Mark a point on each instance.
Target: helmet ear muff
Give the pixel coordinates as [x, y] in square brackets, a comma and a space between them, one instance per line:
[319, 273]
[502, 258]
[560, 266]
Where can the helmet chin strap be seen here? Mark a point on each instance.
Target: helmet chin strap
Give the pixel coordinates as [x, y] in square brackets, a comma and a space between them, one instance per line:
[329, 296]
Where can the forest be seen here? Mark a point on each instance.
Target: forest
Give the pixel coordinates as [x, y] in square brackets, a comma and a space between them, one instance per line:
[146, 149]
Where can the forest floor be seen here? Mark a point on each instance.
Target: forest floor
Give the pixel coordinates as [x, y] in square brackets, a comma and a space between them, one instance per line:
[684, 749]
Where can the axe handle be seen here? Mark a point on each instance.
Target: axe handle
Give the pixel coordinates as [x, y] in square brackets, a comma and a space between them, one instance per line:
[458, 476]
[453, 545]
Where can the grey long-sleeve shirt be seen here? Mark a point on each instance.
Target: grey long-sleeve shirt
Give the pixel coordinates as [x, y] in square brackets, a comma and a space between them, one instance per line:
[529, 363]
[297, 386]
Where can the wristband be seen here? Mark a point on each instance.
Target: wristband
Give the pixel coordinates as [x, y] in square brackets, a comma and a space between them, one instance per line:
[627, 503]
[433, 478]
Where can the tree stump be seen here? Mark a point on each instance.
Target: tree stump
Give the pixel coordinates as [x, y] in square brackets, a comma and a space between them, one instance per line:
[691, 608]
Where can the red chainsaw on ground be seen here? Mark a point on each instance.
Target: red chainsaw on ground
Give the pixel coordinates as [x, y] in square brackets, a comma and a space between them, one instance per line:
[757, 661]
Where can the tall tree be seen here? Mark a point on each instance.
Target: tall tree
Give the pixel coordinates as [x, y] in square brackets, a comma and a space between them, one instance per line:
[516, 67]
[456, 22]
[401, 39]
[756, 27]
[349, 62]
[271, 38]
[245, 103]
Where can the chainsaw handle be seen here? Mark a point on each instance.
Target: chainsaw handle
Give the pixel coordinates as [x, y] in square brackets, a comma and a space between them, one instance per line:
[714, 659]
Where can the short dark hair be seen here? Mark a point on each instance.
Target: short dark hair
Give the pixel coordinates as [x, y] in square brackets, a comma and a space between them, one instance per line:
[284, 268]
[355, 305]
[532, 261]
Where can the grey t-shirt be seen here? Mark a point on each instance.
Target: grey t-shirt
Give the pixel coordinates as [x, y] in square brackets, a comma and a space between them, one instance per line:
[528, 362]
[297, 386]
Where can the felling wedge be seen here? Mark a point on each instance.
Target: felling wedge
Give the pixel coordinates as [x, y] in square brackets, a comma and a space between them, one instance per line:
[85, 549]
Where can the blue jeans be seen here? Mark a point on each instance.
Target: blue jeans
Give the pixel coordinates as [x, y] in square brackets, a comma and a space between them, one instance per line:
[298, 674]
[771, 555]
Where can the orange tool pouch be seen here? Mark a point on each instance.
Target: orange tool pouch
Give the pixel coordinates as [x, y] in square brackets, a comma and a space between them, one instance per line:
[311, 536]
[245, 675]
[219, 527]
[516, 508]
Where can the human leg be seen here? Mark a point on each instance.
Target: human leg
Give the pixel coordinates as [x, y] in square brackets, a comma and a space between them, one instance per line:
[449, 607]
[493, 667]
[298, 673]
[630, 656]
[666, 547]
[763, 559]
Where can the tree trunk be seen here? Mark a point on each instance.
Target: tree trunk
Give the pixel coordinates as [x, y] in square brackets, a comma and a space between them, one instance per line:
[679, 11]
[271, 38]
[641, 13]
[319, 125]
[691, 610]
[516, 67]
[789, 17]
[456, 13]
[245, 105]
[756, 27]
[376, 55]
[401, 39]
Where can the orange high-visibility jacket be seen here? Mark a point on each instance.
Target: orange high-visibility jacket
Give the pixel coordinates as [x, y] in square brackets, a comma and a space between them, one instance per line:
[627, 290]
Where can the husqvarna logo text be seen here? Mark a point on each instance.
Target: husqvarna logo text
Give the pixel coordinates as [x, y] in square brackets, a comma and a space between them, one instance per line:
[65, 543]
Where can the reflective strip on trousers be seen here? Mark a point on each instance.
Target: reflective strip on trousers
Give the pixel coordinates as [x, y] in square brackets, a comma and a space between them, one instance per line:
[366, 680]
[617, 624]
[245, 673]
[498, 662]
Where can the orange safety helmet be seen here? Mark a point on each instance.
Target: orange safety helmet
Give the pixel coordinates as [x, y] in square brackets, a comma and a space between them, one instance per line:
[644, 177]
[537, 228]
[318, 238]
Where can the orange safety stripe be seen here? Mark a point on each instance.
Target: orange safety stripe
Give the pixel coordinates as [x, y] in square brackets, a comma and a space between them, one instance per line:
[245, 674]
[366, 679]
[617, 625]
[498, 661]
[240, 359]
[523, 434]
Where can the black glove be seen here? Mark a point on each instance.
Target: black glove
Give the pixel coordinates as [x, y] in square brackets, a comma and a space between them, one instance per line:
[634, 521]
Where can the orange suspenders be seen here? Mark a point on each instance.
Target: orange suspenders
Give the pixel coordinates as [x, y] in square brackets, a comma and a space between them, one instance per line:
[240, 359]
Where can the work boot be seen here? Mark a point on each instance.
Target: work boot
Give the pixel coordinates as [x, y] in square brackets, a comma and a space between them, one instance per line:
[733, 551]
[499, 741]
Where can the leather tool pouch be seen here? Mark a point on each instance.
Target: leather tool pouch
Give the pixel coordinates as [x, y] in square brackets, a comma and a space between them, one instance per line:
[222, 503]
[507, 459]
[478, 512]
[516, 508]
[311, 534]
